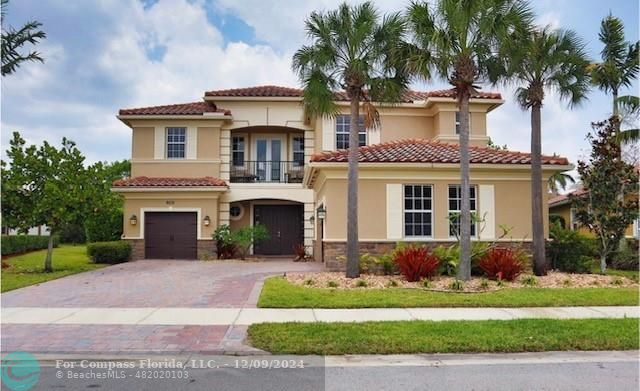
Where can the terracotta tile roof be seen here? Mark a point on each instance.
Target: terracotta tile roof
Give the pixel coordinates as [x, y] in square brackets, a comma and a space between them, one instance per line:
[561, 199]
[143, 181]
[427, 151]
[277, 91]
[258, 91]
[193, 108]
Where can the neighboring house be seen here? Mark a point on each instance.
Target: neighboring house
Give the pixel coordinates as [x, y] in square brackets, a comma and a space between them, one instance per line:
[41, 230]
[252, 155]
[560, 205]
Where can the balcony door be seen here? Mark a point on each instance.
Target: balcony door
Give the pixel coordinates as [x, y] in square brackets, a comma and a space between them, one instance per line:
[268, 152]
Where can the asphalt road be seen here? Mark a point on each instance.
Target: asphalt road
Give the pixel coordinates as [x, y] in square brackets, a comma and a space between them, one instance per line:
[380, 373]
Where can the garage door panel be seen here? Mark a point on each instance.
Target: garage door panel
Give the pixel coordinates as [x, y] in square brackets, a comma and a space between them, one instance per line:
[171, 235]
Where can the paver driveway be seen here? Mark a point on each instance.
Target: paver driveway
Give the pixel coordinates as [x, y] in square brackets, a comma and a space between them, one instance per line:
[157, 283]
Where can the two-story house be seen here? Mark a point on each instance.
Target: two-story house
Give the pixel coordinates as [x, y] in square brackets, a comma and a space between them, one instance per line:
[252, 155]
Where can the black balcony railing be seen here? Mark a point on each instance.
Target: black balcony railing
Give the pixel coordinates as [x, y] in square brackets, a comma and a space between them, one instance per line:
[267, 172]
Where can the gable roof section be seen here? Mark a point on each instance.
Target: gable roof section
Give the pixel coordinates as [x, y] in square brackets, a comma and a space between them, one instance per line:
[562, 199]
[427, 151]
[193, 108]
[146, 182]
[288, 92]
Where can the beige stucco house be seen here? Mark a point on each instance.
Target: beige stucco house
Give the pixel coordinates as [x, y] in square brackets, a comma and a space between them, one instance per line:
[251, 155]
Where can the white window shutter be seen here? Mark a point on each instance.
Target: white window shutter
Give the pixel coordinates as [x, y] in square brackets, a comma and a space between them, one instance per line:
[373, 136]
[192, 143]
[159, 143]
[328, 134]
[394, 211]
[487, 211]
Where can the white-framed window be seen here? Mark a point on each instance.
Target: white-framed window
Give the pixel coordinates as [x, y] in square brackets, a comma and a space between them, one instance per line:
[237, 150]
[458, 122]
[418, 211]
[298, 150]
[343, 125]
[176, 143]
[455, 200]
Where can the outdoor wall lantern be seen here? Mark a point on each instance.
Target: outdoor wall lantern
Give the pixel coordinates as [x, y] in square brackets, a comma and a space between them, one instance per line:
[322, 213]
[133, 220]
[207, 221]
[312, 220]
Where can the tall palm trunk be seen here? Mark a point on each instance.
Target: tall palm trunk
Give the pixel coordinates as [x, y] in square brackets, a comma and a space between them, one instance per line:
[353, 258]
[464, 269]
[47, 261]
[537, 221]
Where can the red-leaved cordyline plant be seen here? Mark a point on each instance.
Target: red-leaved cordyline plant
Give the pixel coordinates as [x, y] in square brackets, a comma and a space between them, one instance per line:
[502, 264]
[416, 263]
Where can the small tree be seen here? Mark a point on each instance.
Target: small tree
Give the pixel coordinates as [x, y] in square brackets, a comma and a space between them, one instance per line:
[606, 177]
[104, 220]
[43, 185]
[248, 236]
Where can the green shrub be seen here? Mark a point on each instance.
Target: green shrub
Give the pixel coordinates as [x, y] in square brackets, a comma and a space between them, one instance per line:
[104, 226]
[225, 246]
[371, 264]
[17, 244]
[361, 284]
[72, 234]
[248, 236]
[456, 285]
[557, 219]
[626, 258]
[109, 252]
[569, 251]
[449, 259]
[530, 281]
[332, 284]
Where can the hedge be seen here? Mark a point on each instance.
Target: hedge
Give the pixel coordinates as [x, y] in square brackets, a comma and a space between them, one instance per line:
[109, 252]
[17, 244]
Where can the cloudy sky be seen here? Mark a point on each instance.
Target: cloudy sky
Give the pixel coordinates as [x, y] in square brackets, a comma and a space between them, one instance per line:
[103, 55]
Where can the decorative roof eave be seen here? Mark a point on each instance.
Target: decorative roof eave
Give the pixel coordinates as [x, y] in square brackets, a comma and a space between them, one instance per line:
[125, 118]
[147, 189]
[253, 98]
[402, 165]
[312, 169]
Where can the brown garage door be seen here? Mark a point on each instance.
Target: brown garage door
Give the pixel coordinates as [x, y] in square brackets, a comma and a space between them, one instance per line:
[170, 235]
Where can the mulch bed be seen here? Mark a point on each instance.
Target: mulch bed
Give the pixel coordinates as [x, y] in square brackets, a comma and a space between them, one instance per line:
[337, 280]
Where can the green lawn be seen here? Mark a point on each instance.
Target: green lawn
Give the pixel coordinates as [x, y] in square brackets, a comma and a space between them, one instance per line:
[279, 293]
[27, 269]
[523, 335]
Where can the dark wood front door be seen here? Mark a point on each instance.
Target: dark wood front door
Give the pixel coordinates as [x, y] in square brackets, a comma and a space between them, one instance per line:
[170, 235]
[285, 225]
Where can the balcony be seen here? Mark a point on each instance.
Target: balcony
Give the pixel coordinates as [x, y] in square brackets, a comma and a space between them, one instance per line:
[251, 171]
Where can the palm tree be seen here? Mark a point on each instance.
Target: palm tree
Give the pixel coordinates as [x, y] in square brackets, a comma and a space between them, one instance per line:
[545, 60]
[559, 180]
[356, 50]
[459, 39]
[629, 111]
[619, 66]
[13, 40]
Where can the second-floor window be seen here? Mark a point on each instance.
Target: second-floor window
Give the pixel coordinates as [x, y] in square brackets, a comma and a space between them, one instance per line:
[237, 150]
[458, 122]
[343, 125]
[176, 143]
[298, 151]
[455, 200]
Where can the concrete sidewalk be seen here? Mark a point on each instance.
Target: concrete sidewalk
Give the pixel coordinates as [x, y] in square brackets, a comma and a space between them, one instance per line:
[248, 316]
